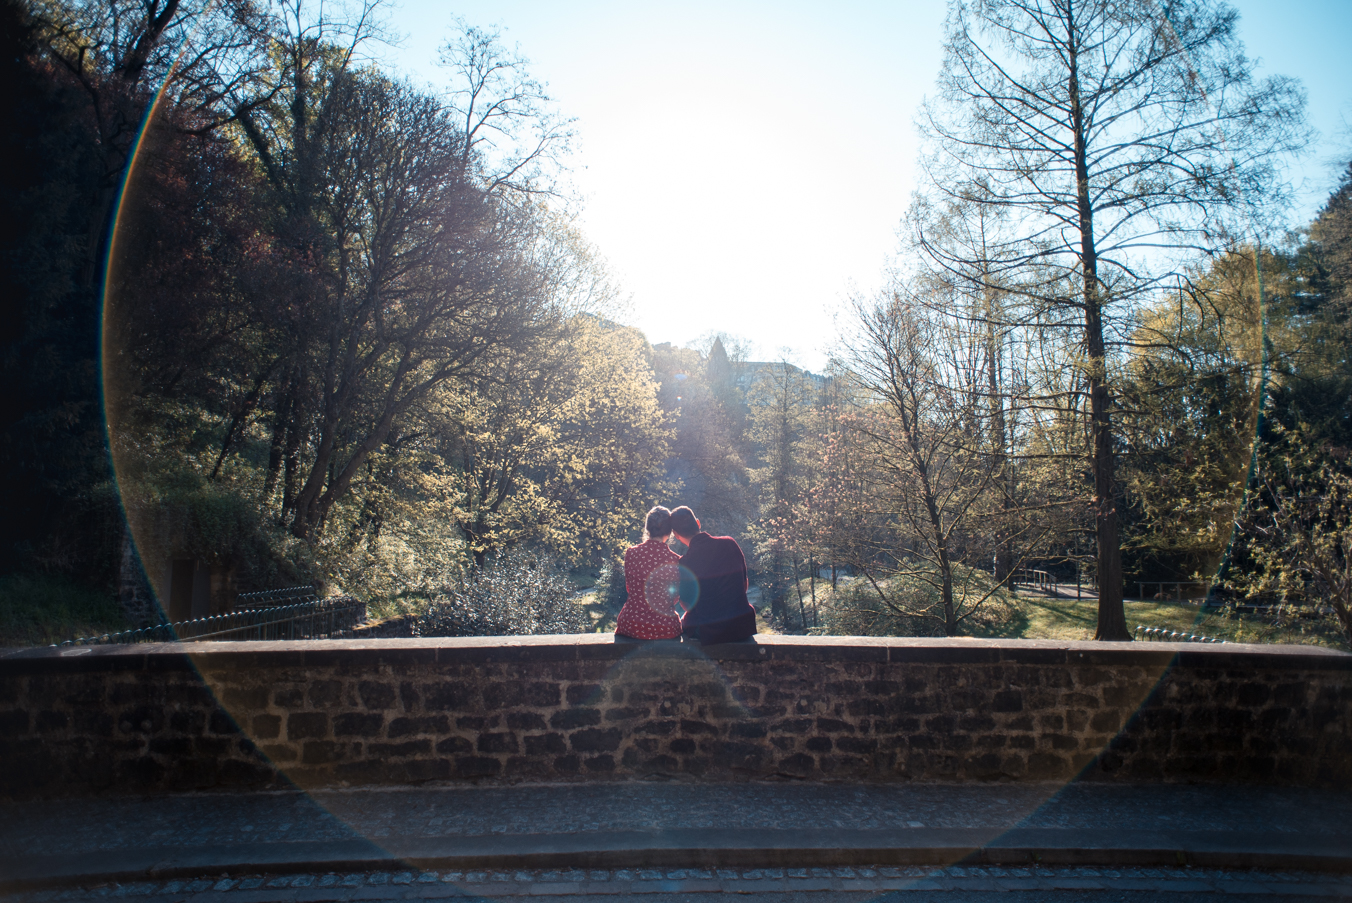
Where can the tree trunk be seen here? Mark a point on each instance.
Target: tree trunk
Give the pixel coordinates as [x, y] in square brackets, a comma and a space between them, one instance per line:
[1112, 619]
[1004, 553]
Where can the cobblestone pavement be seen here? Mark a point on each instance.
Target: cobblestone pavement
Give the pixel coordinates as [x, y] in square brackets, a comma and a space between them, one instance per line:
[194, 820]
[951, 885]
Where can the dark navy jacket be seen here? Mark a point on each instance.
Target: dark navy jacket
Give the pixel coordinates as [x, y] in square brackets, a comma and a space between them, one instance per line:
[713, 577]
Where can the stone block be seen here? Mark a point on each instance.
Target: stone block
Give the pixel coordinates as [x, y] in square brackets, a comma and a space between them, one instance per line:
[377, 695]
[746, 693]
[412, 725]
[1043, 765]
[569, 719]
[864, 707]
[306, 725]
[358, 724]
[444, 696]
[280, 752]
[503, 742]
[525, 721]
[585, 694]
[799, 765]
[595, 740]
[322, 752]
[266, 727]
[792, 726]
[282, 697]
[626, 713]
[544, 744]
[175, 747]
[403, 750]
[1109, 721]
[410, 696]
[49, 722]
[858, 745]
[691, 727]
[452, 746]
[599, 764]
[99, 724]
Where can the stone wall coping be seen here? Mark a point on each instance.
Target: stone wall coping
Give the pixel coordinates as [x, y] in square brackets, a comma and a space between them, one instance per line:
[604, 647]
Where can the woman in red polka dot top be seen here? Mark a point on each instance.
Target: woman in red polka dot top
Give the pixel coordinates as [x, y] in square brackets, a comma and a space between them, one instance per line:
[651, 578]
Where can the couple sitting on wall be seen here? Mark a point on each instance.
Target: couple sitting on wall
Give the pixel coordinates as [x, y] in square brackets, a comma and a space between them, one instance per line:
[709, 583]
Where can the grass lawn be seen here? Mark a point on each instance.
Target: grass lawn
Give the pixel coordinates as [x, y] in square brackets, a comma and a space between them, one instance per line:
[1042, 617]
[1039, 616]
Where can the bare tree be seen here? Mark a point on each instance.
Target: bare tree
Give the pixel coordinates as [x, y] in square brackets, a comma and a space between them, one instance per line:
[922, 379]
[1119, 138]
[513, 133]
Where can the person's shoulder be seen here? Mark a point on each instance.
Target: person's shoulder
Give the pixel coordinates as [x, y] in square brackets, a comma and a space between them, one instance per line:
[729, 548]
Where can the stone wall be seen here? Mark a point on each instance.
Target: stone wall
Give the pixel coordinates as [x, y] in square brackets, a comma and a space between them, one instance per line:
[329, 713]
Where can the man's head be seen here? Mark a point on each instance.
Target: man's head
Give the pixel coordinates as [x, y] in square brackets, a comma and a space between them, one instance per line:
[684, 524]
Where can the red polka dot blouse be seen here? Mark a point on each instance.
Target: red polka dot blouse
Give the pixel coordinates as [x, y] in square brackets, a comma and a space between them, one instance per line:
[650, 576]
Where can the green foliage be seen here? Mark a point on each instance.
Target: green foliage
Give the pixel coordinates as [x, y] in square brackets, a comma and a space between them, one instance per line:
[519, 593]
[781, 402]
[1298, 530]
[44, 609]
[611, 591]
[1190, 399]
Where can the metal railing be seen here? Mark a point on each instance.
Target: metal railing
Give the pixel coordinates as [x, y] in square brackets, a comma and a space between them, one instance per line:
[271, 598]
[1165, 635]
[317, 619]
[1035, 579]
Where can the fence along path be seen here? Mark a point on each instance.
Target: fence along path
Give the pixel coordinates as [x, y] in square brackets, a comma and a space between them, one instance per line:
[260, 617]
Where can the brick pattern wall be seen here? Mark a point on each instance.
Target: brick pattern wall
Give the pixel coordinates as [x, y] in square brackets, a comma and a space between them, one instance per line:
[327, 713]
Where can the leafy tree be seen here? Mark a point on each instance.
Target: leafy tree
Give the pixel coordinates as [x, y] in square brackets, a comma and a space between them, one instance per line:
[1190, 401]
[560, 454]
[56, 492]
[1117, 137]
[1291, 541]
[781, 402]
[1299, 532]
[707, 467]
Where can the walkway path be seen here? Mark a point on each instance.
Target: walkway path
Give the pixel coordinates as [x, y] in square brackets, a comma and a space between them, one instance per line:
[637, 837]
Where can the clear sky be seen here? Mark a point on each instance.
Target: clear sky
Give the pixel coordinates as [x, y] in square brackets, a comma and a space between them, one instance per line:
[744, 165]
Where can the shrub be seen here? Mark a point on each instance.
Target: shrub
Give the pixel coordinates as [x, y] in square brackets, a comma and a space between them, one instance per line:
[519, 593]
[913, 607]
[611, 592]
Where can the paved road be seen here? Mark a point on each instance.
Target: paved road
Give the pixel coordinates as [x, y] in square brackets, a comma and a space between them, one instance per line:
[769, 840]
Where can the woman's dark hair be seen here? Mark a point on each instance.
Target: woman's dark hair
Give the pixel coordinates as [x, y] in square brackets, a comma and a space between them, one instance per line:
[658, 523]
[683, 522]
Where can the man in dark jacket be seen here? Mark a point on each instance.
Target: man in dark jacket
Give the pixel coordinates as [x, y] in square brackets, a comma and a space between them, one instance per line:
[713, 584]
